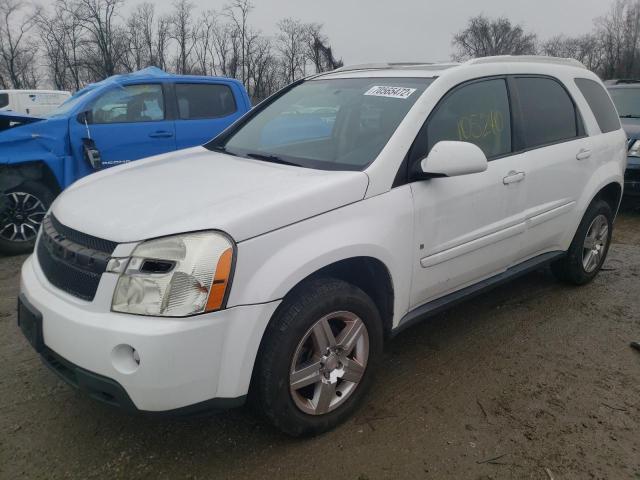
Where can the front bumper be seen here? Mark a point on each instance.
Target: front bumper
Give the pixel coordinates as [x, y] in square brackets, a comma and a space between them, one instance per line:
[184, 364]
[632, 178]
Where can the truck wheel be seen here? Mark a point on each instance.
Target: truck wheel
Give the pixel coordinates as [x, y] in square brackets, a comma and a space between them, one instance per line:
[23, 209]
[589, 248]
[318, 357]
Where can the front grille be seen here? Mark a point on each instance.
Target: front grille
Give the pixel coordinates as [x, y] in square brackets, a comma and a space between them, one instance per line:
[632, 175]
[71, 260]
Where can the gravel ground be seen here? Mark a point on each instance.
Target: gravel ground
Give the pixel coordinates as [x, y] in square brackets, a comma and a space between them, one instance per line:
[533, 380]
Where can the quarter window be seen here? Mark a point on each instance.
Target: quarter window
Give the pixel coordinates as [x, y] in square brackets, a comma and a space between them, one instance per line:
[478, 113]
[4, 100]
[129, 104]
[548, 113]
[200, 101]
[600, 104]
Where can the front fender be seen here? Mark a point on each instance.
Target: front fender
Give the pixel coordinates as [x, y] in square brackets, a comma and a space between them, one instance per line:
[271, 265]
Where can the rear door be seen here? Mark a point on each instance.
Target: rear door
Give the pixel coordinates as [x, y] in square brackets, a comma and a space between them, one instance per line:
[467, 228]
[558, 157]
[127, 123]
[203, 111]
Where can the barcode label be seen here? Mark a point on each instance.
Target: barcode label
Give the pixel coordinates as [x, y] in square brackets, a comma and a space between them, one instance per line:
[391, 92]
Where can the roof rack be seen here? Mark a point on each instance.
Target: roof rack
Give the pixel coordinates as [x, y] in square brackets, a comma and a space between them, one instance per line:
[571, 62]
[397, 65]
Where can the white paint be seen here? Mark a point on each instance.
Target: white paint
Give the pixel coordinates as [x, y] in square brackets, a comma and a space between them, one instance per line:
[434, 236]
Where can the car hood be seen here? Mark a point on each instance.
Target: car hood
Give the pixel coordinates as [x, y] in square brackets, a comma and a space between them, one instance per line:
[631, 127]
[197, 189]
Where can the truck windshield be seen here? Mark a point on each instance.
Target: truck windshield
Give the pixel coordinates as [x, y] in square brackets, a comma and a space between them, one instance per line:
[627, 101]
[69, 104]
[329, 124]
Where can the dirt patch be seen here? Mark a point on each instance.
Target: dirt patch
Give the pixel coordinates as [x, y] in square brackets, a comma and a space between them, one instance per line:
[534, 380]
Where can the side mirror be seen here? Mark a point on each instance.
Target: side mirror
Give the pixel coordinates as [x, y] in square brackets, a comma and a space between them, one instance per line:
[91, 153]
[85, 117]
[452, 159]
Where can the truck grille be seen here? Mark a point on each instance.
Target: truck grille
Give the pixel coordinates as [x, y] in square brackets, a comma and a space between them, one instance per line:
[72, 261]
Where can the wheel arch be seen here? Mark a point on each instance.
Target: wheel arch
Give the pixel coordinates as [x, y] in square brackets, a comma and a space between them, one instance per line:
[612, 194]
[369, 274]
[12, 175]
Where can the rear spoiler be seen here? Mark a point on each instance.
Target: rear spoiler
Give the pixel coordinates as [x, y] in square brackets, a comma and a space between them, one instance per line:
[9, 119]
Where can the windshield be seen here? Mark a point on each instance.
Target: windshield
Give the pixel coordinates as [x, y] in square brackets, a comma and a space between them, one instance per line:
[627, 101]
[69, 104]
[330, 124]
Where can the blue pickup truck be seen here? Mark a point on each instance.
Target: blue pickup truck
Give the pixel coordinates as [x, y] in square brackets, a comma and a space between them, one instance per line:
[120, 119]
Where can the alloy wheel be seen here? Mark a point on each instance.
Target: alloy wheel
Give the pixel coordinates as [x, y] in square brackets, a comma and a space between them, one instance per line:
[22, 216]
[329, 363]
[595, 243]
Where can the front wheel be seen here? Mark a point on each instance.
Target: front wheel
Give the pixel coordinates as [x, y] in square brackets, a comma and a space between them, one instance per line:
[589, 248]
[318, 357]
[22, 210]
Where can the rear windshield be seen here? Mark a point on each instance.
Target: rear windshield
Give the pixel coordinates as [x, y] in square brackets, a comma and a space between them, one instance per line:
[331, 124]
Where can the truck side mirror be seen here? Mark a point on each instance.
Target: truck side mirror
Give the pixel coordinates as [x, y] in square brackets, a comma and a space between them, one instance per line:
[91, 153]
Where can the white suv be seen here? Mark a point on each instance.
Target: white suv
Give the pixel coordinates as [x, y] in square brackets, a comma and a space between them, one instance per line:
[274, 262]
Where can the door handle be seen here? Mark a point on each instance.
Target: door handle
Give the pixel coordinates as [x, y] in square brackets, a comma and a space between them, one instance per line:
[513, 177]
[161, 135]
[583, 154]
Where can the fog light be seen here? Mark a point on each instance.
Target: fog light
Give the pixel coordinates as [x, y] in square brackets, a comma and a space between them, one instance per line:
[125, 359]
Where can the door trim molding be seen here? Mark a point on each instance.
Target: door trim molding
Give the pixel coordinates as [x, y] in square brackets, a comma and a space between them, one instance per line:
[473, 245]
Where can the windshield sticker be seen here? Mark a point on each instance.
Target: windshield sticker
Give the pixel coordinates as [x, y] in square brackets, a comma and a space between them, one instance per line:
[391, 92]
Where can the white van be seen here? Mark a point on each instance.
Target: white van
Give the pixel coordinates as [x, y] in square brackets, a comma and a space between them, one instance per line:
[276, 260]
[32, 102]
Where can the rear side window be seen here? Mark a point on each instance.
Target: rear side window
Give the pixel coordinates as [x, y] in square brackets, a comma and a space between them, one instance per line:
[477, 113]
[600, 104]
[199, 101]
[548, 113]
[4, 100]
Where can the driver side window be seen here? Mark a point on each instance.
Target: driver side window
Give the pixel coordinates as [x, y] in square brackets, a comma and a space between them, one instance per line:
[478, 113]
[130, 104]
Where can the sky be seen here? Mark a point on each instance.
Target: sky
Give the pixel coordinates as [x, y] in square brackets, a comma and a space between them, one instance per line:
[363, 31]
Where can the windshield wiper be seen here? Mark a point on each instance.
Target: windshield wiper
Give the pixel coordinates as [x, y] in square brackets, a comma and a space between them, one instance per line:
[271, 158]
[629, 116]
[221, 149]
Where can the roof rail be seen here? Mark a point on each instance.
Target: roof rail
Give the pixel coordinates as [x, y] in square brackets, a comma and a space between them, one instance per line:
[382, 66]
[571, 62]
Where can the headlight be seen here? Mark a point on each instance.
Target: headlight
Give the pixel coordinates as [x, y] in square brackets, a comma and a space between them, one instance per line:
[634, 151]
[174, 276]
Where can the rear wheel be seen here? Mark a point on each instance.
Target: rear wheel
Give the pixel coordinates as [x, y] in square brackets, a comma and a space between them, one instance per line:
[589, 248]
[22, 212]
[318, 357]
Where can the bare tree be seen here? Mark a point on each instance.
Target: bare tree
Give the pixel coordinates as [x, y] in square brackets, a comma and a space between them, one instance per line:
[586, 48]
[619, 34]
[291, 46]
[104, 45]
[238, 13]
[484, 37]
[318, 51]
[184, 33]
[61, 35]
[204, 48]
[17, 50]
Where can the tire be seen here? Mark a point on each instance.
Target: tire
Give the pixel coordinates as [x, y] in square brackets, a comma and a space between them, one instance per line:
[318, 301]
[572, 269]
[23, 208]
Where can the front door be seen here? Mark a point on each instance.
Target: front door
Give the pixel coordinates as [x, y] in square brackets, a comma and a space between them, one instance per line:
[126, 123]
[468, 228]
